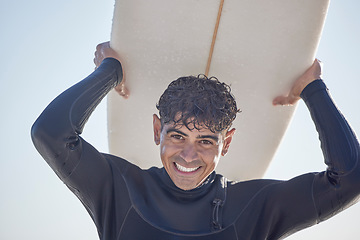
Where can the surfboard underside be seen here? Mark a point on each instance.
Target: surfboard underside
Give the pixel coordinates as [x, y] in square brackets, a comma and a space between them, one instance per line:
[261, 47]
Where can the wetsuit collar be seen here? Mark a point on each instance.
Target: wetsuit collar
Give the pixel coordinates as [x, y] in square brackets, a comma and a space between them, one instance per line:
[197, 192]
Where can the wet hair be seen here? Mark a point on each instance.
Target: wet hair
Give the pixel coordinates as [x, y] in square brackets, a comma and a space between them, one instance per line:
[198, 102]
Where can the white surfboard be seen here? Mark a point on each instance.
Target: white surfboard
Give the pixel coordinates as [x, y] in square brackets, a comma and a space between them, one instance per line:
[261, 47]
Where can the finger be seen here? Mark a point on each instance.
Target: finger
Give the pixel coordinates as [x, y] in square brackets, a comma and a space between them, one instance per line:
[103, 45]
[123, 91]
[278, 100]
[99, 46]
[285, 100]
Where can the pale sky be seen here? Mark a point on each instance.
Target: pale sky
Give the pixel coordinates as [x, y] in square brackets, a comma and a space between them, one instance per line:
[47, 46]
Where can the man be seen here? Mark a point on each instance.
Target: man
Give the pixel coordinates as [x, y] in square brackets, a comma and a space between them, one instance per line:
[186, 199]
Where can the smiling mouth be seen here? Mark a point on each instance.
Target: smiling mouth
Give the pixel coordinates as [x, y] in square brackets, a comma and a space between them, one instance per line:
[184, 169]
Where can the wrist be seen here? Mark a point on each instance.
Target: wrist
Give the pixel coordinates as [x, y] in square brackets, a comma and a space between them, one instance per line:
[312, 88]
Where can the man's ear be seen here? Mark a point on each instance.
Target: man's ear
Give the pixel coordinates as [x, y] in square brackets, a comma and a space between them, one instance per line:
[156, 128]
[228, 137]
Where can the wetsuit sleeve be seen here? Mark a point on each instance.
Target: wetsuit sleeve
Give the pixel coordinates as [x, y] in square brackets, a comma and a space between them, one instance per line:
[56, 133]
[95, 178]
[339, 186]
[303, 201]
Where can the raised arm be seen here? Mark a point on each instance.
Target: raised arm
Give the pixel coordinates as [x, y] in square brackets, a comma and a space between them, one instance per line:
[338, 142]
[85, 171]
[339, 186]
[318, 196]
[56, 132]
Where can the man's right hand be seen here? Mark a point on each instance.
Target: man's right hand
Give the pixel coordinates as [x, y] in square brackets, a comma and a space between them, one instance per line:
[103, 50]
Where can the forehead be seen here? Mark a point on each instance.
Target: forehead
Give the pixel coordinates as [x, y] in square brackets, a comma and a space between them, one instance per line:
[190, 124]
[190, 129]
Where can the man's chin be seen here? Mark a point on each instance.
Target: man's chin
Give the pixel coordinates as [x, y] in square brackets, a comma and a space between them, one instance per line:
[185, 184]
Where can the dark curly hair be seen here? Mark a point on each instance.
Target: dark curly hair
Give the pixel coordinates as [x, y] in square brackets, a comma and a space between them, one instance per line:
[197, 102]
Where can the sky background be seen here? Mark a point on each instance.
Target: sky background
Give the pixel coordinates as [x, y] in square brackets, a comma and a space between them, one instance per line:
[47, 46]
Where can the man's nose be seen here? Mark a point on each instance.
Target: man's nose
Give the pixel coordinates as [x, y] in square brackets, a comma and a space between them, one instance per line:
[189, 153]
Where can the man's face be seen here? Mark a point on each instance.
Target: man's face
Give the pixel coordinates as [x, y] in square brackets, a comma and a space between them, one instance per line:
[189, 156]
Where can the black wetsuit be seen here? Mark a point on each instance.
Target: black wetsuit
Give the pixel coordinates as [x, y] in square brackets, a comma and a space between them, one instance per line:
[126, 202]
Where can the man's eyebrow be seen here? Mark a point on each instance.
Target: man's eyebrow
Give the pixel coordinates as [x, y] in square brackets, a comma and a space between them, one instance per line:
[215, 138]
[175, 130]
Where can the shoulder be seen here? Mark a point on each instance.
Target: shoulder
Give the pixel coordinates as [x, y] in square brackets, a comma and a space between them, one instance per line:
[251, 187]
[130, 171]
[122, 165]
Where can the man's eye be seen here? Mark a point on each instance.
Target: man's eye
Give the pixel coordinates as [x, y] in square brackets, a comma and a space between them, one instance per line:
[177, 136]
[206, 142]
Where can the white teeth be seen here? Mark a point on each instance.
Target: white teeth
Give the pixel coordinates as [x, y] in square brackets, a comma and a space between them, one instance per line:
[184, 169]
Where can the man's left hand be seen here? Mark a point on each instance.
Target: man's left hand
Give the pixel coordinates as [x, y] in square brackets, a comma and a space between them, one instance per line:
[310, 75]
